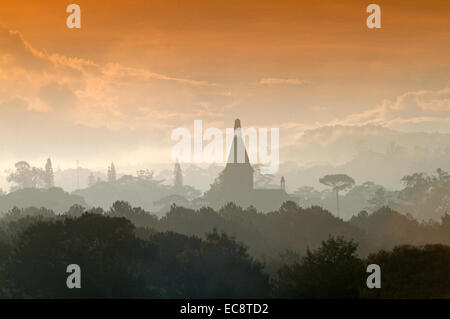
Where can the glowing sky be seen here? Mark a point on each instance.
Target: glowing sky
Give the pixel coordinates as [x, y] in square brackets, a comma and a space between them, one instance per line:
[138, 69]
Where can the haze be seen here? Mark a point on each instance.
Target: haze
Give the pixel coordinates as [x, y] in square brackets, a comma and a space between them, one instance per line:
[115, 90]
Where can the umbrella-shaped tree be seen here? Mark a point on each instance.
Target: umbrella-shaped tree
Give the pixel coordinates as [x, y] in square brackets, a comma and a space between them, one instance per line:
[338, 182]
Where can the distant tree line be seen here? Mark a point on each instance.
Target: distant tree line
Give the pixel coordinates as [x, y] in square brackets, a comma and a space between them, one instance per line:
[423, 196]
[126, 252]
[267, 235]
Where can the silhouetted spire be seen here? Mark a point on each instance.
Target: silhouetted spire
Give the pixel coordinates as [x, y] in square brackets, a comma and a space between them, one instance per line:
[237, 123]
[238, 153]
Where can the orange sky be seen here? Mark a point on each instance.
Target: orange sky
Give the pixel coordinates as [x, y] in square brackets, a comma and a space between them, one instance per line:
[138, 69]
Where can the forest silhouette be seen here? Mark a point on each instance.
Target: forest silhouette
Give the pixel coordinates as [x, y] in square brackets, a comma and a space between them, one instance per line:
[126, 252]
[208, 246]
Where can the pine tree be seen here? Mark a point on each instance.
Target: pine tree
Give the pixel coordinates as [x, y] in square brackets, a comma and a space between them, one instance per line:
[178, 176]
[49, 179]
[111, 173]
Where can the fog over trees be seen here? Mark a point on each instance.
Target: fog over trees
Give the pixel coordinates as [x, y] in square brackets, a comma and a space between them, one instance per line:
[154, 235]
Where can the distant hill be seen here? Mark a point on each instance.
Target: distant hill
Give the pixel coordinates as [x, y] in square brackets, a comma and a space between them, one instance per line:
[54, 198]
[366, 153]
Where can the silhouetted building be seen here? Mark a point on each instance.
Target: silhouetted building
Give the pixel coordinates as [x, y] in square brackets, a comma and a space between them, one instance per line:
[236, 181]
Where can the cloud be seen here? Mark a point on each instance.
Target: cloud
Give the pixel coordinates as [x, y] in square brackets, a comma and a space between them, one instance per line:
[415, 107]
[91, 93]
[47, 98]
[120, 72]
[70, 107]
[271, 81]
[15, 51]
[425, 111]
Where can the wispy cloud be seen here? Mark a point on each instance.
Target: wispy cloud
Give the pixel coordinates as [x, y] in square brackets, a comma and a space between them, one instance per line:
[90, 93]
[410, 107]
[271, 81]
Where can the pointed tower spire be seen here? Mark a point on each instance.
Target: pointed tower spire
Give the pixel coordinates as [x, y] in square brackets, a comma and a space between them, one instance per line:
[237, 178]
[238, 152]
